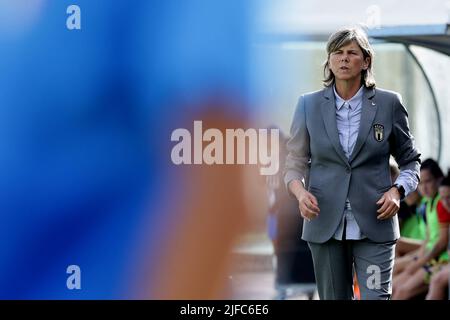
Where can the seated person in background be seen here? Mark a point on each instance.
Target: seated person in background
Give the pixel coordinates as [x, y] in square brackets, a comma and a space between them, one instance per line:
[411, 221]
[412, 224]
[407, 250]
[414, 279]
[439, 280]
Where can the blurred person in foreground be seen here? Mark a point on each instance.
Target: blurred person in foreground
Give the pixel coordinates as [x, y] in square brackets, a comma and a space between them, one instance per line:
[86, 177]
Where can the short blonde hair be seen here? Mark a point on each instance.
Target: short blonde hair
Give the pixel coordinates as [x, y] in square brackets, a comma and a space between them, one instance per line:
[341, 38]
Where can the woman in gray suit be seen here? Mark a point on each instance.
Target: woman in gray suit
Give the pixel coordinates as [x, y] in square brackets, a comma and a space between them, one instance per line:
[338, 169]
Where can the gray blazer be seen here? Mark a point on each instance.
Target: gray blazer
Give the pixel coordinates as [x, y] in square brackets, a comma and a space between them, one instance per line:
[315, 155]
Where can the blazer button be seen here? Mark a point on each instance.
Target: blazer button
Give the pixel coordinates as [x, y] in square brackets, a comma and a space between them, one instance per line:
[348, 170]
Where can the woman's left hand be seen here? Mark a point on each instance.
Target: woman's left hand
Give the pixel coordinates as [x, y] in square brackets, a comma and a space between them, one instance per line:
[390, 204]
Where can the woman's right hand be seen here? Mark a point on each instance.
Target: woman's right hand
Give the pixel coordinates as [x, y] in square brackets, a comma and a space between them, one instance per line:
[308, 205]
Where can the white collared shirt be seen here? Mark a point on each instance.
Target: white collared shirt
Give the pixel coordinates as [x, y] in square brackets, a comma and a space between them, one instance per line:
[348, 119]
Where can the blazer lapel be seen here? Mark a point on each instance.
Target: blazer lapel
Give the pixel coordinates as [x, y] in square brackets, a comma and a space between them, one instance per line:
[328, 109]
[369, 109]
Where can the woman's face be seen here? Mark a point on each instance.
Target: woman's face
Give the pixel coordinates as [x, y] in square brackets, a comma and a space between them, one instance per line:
[347, 62]
[428, 185]
[444, 192]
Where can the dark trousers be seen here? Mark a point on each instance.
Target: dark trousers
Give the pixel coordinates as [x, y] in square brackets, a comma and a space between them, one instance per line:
[335, 261]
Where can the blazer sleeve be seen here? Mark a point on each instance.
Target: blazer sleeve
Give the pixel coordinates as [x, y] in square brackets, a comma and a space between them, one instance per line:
[403, 144]
[298, 149]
